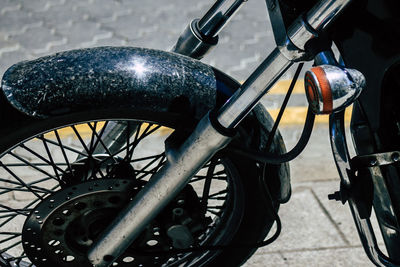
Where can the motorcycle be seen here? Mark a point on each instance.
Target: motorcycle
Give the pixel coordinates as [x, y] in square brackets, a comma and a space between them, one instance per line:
[123, 156]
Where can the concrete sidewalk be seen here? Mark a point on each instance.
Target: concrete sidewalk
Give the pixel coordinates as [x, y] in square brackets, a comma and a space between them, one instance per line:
[316, 232]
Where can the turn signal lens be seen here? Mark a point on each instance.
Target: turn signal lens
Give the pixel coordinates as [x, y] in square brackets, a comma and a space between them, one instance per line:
[331, 88]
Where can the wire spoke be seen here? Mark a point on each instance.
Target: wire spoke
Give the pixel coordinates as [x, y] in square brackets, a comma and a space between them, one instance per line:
[101, 142]
[198, 178]
[31, 165]
[133, 144]
[29, 184]
[11, 237]
[160, 157]
[10, 247]
[45, 160]
[128, 137]
[63, 150]
[144, 158]
[19, 180]
[207, 184]
[22, 256]
[19, 258]
[92, 150]
[91, 144]
[35, 164]
[222, 192]
[51, 160]
[65, 146]
[81, 141]
[148, 131]
[26, 207]
[17, 211]
[99, 136]
[22, 189]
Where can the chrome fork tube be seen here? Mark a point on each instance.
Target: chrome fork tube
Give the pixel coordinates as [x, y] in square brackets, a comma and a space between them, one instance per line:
[181, 165]
[218, 16]
[204, 142]
[255, 87]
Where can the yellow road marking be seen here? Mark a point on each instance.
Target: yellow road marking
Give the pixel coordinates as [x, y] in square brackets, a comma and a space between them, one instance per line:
[281, 87]
[297, 115]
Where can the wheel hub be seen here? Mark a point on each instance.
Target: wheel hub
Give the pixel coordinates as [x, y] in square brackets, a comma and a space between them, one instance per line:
[62, 227]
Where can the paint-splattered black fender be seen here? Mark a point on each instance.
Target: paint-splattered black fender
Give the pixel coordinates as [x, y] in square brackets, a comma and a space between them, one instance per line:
[93, 79]
[86, 79]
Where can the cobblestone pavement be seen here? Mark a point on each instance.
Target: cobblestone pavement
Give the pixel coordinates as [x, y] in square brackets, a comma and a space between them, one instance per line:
[315, 232]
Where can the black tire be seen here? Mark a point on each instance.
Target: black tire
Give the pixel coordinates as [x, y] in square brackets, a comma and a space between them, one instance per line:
[251, 217]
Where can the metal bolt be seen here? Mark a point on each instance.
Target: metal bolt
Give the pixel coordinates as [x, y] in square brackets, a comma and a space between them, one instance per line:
[395, 157]
[335, 196]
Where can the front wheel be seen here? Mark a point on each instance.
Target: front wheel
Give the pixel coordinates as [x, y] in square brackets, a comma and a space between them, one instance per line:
[58, 192]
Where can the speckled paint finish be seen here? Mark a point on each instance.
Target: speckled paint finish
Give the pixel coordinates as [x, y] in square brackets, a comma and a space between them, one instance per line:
[120, 77]
[88, 79]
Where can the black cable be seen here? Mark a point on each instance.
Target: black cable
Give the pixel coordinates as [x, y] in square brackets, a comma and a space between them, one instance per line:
[283, 107]
[279, 158]
[271, 158]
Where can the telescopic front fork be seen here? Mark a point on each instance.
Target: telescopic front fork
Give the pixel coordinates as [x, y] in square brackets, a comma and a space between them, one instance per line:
[209, 135]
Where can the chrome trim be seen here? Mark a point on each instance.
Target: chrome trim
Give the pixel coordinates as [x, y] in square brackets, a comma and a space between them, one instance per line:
[255, 87]
[342, 160]
[201, 35]
[218, 16]
[345, 86]
[319, 17]
[191, 44]
[181, 165]
[388, 221]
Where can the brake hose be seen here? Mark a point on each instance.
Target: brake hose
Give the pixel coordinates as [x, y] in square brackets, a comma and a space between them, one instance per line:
[265, 157]
[279, 158]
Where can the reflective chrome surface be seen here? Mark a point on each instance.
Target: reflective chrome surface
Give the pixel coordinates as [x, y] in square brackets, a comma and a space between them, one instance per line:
[385, 213]
[342, 159]
[318, 18]
[181, 165]
[345, 86]
[281, 58]
[257, 85]
[201, 35]
[218, 16]
[191, 44]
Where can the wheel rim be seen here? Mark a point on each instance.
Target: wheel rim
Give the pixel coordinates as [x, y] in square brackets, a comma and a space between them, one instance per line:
[49, 162]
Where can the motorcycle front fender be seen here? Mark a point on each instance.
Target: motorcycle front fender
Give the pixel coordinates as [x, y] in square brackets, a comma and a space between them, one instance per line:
[119, 77]
[92, 79]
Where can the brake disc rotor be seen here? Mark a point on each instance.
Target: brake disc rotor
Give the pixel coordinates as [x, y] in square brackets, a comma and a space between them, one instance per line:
[63, 226]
